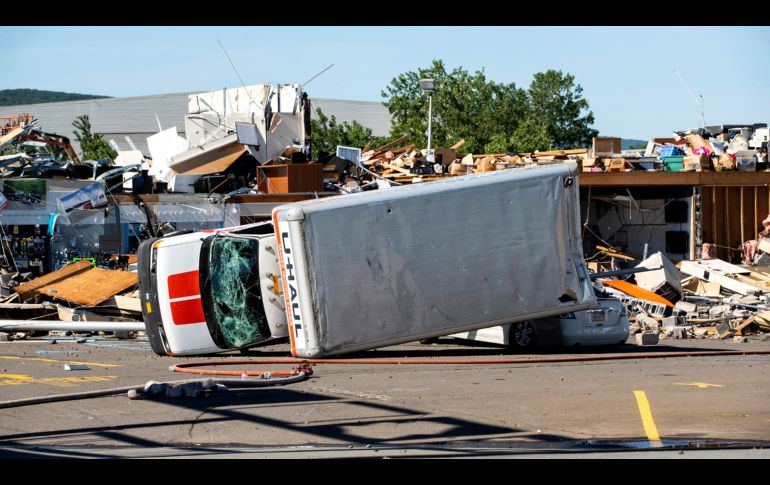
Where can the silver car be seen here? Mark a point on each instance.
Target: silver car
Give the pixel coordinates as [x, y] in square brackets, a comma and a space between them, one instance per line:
[607, 324]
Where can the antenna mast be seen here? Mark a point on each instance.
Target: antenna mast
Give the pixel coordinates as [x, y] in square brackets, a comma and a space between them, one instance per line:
[698, 99]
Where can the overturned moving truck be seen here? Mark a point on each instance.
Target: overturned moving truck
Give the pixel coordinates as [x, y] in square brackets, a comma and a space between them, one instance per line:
[375, 268]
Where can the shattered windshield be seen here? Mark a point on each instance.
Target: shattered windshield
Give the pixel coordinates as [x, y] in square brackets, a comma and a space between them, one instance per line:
[231, 295]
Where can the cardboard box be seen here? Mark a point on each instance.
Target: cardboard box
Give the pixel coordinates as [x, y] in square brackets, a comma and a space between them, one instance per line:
[696, 163]
[725, 164]
[697, 141]
[444, 155]
[663, 141]
[606, 146]
[615, 164]
[586, 164]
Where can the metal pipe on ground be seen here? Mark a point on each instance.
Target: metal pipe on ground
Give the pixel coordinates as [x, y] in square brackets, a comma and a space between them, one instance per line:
[56, 325]
[620, 272]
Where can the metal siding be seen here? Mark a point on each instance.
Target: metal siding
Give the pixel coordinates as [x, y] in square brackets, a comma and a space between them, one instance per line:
[115, 118]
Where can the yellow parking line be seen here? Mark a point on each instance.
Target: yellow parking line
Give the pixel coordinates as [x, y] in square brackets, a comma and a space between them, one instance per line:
[647, 421]
[56, 360]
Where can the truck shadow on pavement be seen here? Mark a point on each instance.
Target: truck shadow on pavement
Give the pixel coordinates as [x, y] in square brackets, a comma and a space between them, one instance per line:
[247, 411]
[251, 407]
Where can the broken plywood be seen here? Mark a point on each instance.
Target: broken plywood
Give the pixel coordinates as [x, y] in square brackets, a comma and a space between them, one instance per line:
[718, 271]
[209, 158]
[703, 288]
[92, 287]
[31, 288]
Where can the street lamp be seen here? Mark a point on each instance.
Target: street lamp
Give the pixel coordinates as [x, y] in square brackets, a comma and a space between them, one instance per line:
[429, 86]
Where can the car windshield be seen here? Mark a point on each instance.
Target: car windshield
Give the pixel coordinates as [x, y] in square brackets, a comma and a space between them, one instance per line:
[231, 295]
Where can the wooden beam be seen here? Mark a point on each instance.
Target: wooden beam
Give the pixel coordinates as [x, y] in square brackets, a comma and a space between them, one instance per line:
[720, 228]
[625, 179]
[747, 216]
[396, 168]
[404, 148]
[693, 215]
[707, 213]
[390, 145]
[733, 216]
[761, 207]
[458, 144]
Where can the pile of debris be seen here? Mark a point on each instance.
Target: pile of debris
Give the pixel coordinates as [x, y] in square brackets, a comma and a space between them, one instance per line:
[692, 299]
[402, 162]
[717, 148]
[77, 292]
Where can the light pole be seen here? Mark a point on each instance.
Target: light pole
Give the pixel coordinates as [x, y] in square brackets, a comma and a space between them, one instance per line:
[429, 86]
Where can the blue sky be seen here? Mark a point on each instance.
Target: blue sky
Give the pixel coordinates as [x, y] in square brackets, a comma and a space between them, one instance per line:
[626, 72]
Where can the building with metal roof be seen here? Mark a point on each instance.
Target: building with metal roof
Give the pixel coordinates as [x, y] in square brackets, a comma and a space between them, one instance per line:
[138, 117]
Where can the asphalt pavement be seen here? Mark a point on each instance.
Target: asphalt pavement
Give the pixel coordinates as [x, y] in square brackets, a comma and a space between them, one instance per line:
[608, 402]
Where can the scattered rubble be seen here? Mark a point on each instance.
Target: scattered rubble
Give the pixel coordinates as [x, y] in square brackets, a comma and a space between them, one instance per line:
[257, 143]
[738, 305]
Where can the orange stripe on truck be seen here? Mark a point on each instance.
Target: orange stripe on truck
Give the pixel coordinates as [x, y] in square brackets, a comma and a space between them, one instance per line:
[184, 284]
[286, 291]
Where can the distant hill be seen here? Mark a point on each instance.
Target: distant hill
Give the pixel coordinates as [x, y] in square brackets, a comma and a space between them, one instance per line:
[11, 97]
[626, 144]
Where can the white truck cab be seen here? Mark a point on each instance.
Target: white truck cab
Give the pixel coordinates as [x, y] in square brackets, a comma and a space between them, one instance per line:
[212, 291]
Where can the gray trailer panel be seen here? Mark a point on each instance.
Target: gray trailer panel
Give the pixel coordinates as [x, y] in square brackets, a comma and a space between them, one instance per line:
[391, 266]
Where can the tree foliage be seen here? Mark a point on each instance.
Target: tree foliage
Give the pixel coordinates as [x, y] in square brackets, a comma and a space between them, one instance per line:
[327, 133]
[557, 101]
[92, 145]
[10, 97]
[490, 116]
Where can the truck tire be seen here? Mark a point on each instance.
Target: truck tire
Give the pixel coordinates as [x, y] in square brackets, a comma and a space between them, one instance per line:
[522, 335]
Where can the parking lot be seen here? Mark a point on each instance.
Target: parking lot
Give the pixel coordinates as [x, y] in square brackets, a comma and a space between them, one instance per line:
[504, 404]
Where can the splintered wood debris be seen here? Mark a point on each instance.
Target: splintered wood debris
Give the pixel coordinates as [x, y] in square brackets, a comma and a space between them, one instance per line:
[91, 287]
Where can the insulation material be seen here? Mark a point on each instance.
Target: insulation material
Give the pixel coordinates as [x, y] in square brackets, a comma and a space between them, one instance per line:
[163, 146]
[91, 287]
[129, 157]
[211, 115]
[230, 100]
[235, 291]
[435, 259]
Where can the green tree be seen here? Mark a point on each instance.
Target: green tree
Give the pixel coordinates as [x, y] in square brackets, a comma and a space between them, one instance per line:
[557, 102]
[491, 117]
[465, 106]
[527, 137]
[92, 145]
[327, 133]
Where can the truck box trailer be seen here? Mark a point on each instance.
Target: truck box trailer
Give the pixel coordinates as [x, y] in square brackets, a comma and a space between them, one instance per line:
[373, 269]
[385, 267]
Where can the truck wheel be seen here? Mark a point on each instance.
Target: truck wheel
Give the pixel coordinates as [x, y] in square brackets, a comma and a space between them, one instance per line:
[522, 335]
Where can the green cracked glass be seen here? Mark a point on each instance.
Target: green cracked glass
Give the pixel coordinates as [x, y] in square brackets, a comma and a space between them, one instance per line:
[235, 291]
